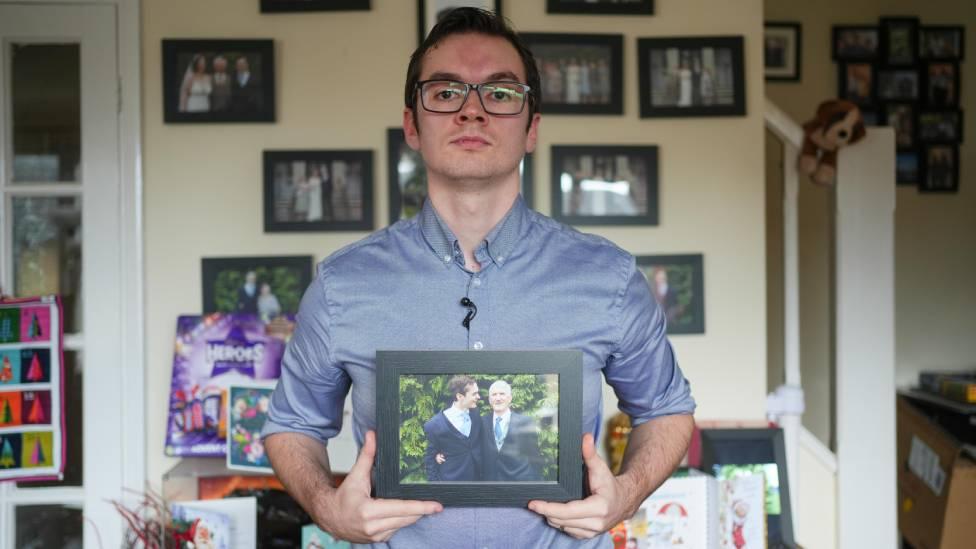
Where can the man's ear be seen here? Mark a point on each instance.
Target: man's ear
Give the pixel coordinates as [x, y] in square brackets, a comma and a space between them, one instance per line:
[533, 133]
[411, 133]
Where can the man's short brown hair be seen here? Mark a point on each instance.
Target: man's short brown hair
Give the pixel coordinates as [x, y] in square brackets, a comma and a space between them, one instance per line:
[459, 385]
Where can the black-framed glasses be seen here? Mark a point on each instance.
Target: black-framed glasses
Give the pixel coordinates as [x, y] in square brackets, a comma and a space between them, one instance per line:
[448, 96]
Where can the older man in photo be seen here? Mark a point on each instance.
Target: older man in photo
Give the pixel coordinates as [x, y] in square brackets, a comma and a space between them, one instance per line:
[511, 440]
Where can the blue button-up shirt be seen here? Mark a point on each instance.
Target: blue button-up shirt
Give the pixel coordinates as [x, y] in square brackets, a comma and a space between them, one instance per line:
[542, 285]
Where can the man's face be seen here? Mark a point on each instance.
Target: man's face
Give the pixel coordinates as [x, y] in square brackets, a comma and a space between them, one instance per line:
[471, 144]
[242, 65]
[470, 397]
[500, 399]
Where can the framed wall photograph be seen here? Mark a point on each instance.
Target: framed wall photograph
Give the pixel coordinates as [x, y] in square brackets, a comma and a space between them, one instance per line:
[429, 12]
[940, 173]
[855, 42]
[218, 81]
[855, 82]
[906, 168]
[942, 84]
[938, 126]
[691, 76]
[902, 118]
[283, 6]
[601, 7]
[942, 42]
[898, 85]
[678, 285]
[605, 184]
[580, 73]
[729, 453]
[266, 286]
[899, 40]
[439, 437]
[782, 46]
[407, 177]
[318, 190]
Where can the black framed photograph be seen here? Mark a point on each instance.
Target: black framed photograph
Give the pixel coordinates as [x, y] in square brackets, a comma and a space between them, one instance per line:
[407, 177]
[942, 42]
[267, 286]
[855, 82]
[218, 81]
[899, 40]
[902, 118]
[729, 453]
[691, 76]
[942, 84]
[870, 117]
[677, 283]
[282, 6]
[855, 42]
[940, 126]
[898, 85]
[429, 12]
[941, 170]
[318, 190]
[601, 7]
[484, 429]
[906, 168]
[580, 73]
[605, 184]
[782, 45]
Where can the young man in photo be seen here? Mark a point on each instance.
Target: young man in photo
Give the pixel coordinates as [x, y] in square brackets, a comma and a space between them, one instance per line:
[471, 110]
[511, 440]
[454, 449]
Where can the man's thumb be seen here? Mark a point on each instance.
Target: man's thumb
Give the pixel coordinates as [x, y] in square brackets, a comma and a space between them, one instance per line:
[366, 455]
[590, 456]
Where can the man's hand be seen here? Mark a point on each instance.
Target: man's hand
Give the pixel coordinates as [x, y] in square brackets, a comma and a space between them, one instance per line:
[440, 459]
[349, 513]
[606, 506]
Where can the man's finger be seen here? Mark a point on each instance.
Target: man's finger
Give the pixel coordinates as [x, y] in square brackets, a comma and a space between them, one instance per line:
[561, 511]
[364, 462]
[377, 528]
[386, 508]
[590, 457]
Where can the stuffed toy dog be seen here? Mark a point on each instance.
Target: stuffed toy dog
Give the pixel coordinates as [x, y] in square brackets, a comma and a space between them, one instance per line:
[838, 123]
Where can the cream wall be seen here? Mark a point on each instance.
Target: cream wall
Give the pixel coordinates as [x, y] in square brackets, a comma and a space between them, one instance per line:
[203, 182]
[935, 235]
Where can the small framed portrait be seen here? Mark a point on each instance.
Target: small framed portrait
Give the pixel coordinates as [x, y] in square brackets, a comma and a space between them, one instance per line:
[693, 76]
[601, 7]
[317, 190]
[218, 81]
[580, 73]
[604, 184]
[782, 44]
[247, 410]
[898, 85]
[855, 43]
[677, 283]
[899, 40]
[282, 6]
[266, 286]
[429, 12]
[407, 177]
[906, 168]
[941, 171]
[485, 429]
[942, 43]
[940, 126]
[942, 84]
[902, 118]
[856, 82]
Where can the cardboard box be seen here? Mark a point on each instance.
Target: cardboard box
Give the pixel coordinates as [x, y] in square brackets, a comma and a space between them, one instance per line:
[936, 484]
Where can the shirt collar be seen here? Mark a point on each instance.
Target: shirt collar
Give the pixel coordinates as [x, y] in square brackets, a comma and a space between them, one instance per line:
[500, 242]
[505, 417]
[453, 412]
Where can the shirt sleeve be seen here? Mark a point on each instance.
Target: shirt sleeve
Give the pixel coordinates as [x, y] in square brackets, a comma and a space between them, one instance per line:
[312, 389]
[642, 368]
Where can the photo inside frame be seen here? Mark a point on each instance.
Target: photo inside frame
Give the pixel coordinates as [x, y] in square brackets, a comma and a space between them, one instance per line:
[223, 82]
[575, 74]
[318, 190]
[604, 185]
[501, 428]
[673, 287]
[692, 77]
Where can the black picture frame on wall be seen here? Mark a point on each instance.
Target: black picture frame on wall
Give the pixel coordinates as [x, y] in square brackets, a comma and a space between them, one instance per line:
[856, 82]
[670, 87]
[855, 42]
[193, 92]
[940, 126]
[601, 7]
[898, 84]
[223, 280]
[940, 173]
[400, 373]
[907, 167]
[284, 6]
[318, 190]
[941, 80]
[677, 283]
[942, 42]
[429, 12]
[782, 47]
[899, 41]
[580, 73]
[604, 184]
[903, 119]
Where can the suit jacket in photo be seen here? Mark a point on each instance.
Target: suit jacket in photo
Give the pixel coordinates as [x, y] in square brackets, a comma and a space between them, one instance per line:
[519, 457]
[462, 453]
[247, 98]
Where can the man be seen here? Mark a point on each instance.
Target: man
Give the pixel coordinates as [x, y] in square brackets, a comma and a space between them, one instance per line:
[221, 94]
[511, 440]
[247, 295]
[454, 436]
[245, 92]
[471, 101]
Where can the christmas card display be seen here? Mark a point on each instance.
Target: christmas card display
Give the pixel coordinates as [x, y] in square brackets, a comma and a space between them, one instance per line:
[247, 412]
[211, 353]
[31, 389]
[199, 528]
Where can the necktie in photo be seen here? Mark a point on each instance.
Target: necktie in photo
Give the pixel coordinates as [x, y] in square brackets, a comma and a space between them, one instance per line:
[466, 425]
[498, 433]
